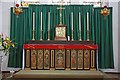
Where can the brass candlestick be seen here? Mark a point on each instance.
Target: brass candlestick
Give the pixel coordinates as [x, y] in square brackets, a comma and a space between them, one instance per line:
[80, 39]
[88, 35]
[33, 35]
[41, 35]
[48, 34]
[72, 36]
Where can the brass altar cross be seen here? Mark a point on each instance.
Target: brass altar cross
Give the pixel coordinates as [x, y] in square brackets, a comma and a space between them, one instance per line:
[61, 11]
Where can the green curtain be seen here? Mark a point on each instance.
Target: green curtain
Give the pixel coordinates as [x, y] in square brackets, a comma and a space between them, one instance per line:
[21, 27]
[19, 33]
[103, 37]
[54, 19]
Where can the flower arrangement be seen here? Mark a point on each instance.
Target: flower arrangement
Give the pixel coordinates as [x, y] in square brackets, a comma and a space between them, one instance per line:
[5, 44]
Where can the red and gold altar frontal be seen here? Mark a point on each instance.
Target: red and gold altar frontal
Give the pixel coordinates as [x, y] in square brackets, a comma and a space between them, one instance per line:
[60, 55]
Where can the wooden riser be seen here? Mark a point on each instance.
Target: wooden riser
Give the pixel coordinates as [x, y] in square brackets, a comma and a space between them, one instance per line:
[58, 74]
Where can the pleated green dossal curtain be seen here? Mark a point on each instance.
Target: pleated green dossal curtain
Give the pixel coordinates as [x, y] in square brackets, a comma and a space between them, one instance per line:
[103, 37]
[19, 33]
[66, 14]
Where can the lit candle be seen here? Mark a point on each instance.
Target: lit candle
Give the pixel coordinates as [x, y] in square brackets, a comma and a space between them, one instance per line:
[33, 20]
[87, 21]
[48, 20]
[79, 21]
[41, 21]
[72, 20]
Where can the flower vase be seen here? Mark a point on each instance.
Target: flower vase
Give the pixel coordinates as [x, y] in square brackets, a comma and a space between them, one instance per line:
[0, 66]
[2, 54]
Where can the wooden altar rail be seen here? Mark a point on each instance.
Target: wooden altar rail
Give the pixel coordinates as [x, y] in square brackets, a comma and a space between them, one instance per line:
[60, 56]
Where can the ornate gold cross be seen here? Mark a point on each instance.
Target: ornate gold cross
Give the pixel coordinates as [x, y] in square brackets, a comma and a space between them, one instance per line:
[61, 8]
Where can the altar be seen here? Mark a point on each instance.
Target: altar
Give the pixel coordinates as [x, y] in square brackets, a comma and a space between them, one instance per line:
[63, 52]
[59, 55]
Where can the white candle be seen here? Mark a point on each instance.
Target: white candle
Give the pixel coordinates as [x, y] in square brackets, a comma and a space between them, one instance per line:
[87, 21]
[72, 20]
[79, 21]
[41, 21]
[48, 20]
[33, 20]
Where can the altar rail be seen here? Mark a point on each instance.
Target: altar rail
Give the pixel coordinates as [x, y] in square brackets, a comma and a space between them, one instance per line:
[59, 55]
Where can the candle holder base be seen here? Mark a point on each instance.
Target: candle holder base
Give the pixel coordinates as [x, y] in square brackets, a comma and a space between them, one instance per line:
[72, 39]
[33, 39]
[33, 35]
[48, 35]
[88, 39]
[80, 39]
[40, 35]
[88, 35]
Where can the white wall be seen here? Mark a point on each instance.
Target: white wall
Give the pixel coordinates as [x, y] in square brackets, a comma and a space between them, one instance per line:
[5, 26]
[6, 17]
[0, 17]
[115, 33]
[119, 36]
[9, 0]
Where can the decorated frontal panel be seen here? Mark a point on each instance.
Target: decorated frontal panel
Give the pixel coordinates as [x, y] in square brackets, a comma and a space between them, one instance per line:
[46, 59]
[60, 59]
[27, 58]
[40, 59]
[33, 59]
[67, 58]
[70, 59]
[73, 59]
[80, 59]
[93, 59]
[86, 59]
[52, 58]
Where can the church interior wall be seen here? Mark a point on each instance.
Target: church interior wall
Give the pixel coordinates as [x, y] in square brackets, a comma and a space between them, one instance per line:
[5, 20]
[5, 28]
[119, 35]
[0, 17]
